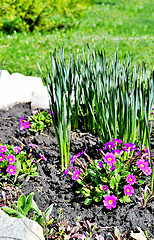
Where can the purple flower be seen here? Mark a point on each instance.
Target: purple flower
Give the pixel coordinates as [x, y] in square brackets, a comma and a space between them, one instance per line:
[65, 172]
[117, 140]
[113, 168]
[142, 164]
[109, 158]
[131, 179]
[22, 126]
[100, 164]
[76, 156]
[130, 146]
[147, 171]
[76, 175]
[117, 151]
[42, 157]
[11, 158]
[17, 149]
[110, 201]
[3, 149]
[11, 170]
[2, 157]
[27, 124]
[21, 119]
[105, 187]
[128, 190]
[109, 145]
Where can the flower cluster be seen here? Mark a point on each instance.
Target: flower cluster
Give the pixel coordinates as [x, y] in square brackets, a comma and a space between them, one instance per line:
[14, 161]
[23, 124]
[113, 177]
[10, 159]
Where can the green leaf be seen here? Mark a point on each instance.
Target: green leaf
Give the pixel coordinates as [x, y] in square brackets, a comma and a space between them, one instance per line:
[97, 198]
[112, 182]
[124, 174]
[48, 211]
[12, 212]
[124, 199]
[117, 177]
[28, 203]
[21, 201]
[87, 201]
[35, 207]
[85, 192]
[104, 179]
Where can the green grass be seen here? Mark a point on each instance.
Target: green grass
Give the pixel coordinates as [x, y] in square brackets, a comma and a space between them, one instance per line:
[106, 25]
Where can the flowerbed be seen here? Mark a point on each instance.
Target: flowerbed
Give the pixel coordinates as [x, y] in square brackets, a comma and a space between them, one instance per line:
[51, 187]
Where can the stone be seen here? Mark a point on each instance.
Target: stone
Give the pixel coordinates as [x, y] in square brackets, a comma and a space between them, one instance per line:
[17, 88]
[12, 228]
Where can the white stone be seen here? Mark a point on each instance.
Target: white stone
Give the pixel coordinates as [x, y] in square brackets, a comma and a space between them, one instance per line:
[19, 228]
[17, 88]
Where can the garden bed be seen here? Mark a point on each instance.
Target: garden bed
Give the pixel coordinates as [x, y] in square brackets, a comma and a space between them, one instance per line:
[51, 186]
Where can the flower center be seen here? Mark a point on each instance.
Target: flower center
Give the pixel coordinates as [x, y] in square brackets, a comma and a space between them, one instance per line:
[109, 159]
[11, 170]
[141, 165]
[130, 179]
[110, 201]
[128, 190]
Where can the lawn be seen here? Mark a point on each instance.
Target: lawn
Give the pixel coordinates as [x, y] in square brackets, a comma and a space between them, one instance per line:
[107, 25]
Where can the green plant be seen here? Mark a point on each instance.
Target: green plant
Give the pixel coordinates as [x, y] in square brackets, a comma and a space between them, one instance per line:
[16, 162]
[59, 83]
[84, 230]
[111, 178]
[39, 121]
[18, 15]
[27, 207]
[116, 98]
[116, 235]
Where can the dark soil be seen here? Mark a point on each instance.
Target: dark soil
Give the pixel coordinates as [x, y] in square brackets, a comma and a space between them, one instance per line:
[52, 187]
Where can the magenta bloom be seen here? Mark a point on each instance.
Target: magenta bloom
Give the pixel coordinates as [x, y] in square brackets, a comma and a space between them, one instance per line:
[27, 124]
[128, 190]
[117, 140]
[147, 171]
[22, 126]
[21, 119]
[11, 158]
[142, 164]
[11, 170]
[131, 179]
[66, 172]
[110, 201]
[76, 156]
[3, 149]
[130, 146]
[113, 168]
[76, 175]
[2, 157]
[109, 145]
[117, 151]
[42, 157]
[100, 164]
[110, 159]
[105, 187]
[17, 149]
